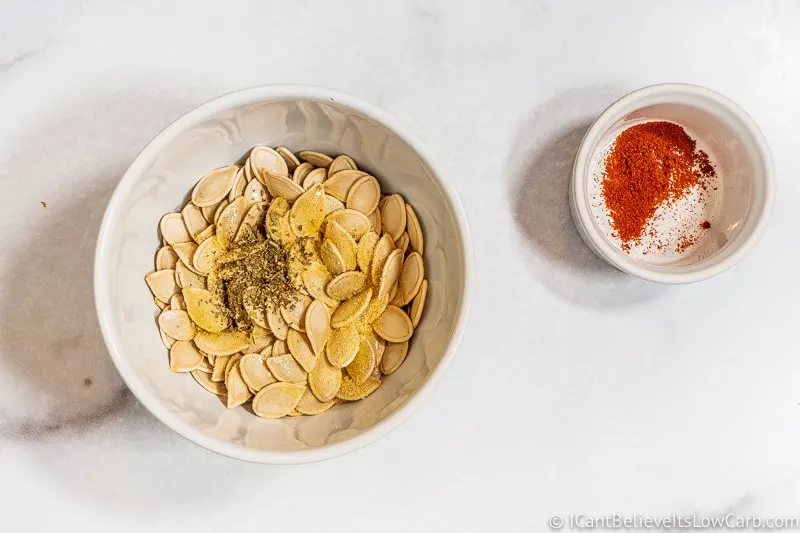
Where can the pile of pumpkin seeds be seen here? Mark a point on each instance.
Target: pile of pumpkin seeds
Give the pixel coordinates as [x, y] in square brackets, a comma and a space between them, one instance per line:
[290, 282]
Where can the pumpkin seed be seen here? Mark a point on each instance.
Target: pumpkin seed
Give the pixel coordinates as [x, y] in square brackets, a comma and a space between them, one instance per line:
[176, 324]
[267, 351]
[394, 356]
[233, 362]
[265, 161]
[332, 204]
[207, 254]
[393, 216]
[332, 257]
[308, 212]
[277, 221]
[256, 314]
[410, 278]
[205, 309]
[253, 220]
[294, 312]
[162, 284]
[315, 278]
[300, 348]
[206, 233]
[346, 285]
[344, 244]
[315, 177]
[317, 325]
[414, 229]
[193, 220]
[342, 346]
[248, 170]
[225, 343]
[383, 248]
[375, 309]
[186, 251]
[262, 338]
[238, 392]
[220, 208]
[402, 242]
[204, 366]
[300, 173]
[365, 250]
[391, 272]
[378, 345]
[349, 311]
[166, 339]
[166, 258]
[363, 364]
[283, 187]
[239, 183]
[285, 368]
[184, 357]
[354, 222]
[310, 405]
[214, 186]
[255, 192]
[177, 302]
[291, 160]
[277, 400]
[279, 347]
[375, 221]
[315, 158]
[325, 380]
[255, 372]
[342, 162]
[229, 221]
[220, 364]
[208, 212]
[277, 324]
[173, 230]
[395, 298]
[418, 303]
[393, 325]
[188, 278]
[204, 380]
[353, 391]
[364, 195]
[338, 185]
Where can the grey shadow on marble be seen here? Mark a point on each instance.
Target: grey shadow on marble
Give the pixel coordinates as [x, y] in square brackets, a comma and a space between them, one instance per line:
[77, 418]
[49, 337]
[542, 158]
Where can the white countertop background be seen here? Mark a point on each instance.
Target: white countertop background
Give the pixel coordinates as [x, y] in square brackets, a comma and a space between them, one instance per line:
[575, 389]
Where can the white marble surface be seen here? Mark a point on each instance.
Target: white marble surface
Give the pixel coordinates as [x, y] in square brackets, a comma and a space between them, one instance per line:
[576, 389]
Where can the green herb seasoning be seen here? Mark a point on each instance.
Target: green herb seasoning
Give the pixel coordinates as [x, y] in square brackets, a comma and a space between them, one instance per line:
[253, 275]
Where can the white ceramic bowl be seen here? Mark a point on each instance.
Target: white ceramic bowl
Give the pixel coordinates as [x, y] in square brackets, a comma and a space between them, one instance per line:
[746, 180]
[216, 134]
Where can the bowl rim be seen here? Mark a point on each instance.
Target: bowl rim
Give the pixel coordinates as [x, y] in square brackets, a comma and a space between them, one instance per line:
[142, 161]
[648, 96]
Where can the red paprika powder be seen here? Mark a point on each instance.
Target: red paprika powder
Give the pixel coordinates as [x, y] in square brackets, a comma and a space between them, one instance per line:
[650, 164]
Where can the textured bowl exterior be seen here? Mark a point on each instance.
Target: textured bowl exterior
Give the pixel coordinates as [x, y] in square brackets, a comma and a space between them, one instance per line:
[216, 134]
